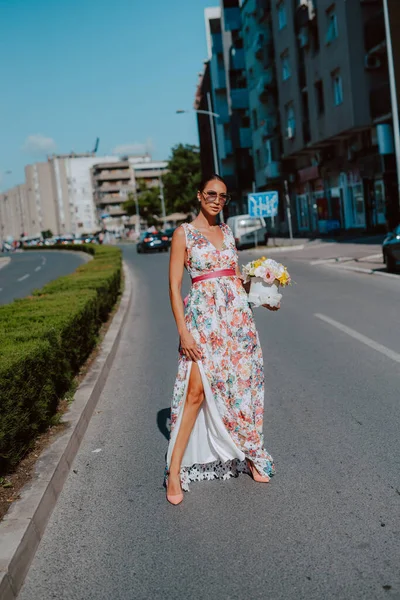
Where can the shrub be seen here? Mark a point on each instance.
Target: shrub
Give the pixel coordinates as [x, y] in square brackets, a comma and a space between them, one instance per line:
[44, 340]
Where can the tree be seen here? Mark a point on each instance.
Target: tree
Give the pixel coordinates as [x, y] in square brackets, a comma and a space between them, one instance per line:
[47, 234]
[148, 200]
[182, 180]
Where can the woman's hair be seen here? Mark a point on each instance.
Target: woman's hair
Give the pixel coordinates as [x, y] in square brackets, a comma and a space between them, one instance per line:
[213, 177]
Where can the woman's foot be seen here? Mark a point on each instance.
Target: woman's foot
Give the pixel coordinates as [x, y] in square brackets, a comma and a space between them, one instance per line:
[256, 475]
[174, 489]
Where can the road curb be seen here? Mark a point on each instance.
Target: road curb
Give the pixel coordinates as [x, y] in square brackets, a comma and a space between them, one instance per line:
[341, 267]
[23, 526]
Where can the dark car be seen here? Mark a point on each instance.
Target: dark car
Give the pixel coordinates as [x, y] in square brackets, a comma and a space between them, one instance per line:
[152, 242]
[391, 249]
[169, 233]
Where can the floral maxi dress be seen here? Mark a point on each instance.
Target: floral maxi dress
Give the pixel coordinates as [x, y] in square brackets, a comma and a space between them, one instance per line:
[228, 428]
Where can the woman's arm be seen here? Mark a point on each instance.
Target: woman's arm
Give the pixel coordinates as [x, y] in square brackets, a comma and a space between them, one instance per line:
[176, 266]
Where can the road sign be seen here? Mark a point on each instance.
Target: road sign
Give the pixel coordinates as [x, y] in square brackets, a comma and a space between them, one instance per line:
[263, 204]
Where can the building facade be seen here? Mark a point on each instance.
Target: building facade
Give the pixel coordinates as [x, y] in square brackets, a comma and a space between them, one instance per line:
[112, 182]
[307, 87]
[334, 102]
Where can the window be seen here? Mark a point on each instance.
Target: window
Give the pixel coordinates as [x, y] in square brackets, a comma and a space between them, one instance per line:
[337, 88]
[282, 21]
[332, 28]
[290, 121]
[285, 65]
[255, 118]
[319, 97]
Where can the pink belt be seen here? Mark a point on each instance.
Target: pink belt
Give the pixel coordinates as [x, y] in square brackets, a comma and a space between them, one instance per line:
[213, 274]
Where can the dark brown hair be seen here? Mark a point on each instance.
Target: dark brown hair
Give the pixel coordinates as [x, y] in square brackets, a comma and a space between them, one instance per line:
[213, 177]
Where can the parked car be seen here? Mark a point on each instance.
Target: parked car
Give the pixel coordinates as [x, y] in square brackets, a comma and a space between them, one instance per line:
[169, 233]
[248, 231]
[391, 250]
[149, 242]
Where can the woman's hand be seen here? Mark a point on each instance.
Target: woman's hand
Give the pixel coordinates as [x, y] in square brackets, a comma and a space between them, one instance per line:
[272, 307]
[189, 347]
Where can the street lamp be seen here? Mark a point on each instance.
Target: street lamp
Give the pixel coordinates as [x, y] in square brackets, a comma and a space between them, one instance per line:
[211, 115]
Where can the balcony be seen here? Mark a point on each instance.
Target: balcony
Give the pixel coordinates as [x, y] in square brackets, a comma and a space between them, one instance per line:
[217, 47]
[259, 45]
[232, 19]
[228, 147]
[107, 199]
[110, 187]
[380, 101]
[266, 82]
[245, 138]
[113, 175]
[237, 59]
[239, 98]
[269, 126]
[273, 170]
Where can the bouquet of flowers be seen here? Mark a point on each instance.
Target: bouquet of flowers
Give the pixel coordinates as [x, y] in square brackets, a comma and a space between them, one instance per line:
[265, 275]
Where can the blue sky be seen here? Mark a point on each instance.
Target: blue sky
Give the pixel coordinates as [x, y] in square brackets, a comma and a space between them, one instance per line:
[72, 70]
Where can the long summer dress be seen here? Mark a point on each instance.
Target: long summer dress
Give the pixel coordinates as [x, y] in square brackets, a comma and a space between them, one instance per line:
[228, 428]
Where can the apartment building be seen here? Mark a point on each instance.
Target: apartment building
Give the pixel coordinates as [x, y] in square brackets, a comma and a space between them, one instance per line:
[38, 181]
[238, 99]
[18, 217]
[225, 140]
[263, 100]
[73, 191]
[336, 122]
[211, 95]
[148, 171]
[112, 182]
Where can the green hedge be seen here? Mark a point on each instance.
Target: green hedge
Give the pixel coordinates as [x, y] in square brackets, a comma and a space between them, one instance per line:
[44, 340]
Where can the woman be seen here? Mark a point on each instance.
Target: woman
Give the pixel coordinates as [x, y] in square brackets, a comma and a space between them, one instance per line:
[218, 402]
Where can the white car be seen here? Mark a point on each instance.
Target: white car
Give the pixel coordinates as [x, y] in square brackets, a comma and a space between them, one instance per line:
[248, 231]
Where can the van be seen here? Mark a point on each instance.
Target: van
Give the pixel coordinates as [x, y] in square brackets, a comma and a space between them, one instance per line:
[248, 231]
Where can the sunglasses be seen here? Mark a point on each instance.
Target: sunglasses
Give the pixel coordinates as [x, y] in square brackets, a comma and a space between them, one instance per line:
[210, 196]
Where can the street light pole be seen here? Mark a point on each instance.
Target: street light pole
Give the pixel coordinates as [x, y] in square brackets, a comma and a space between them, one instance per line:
[211, 115]
[162, 197]
[213, 140]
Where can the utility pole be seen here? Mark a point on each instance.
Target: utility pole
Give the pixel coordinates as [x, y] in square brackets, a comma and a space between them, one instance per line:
[288, 210]
[137, 224]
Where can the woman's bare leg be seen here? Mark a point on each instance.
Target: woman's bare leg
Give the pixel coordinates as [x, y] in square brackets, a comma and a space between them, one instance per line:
[194, 400]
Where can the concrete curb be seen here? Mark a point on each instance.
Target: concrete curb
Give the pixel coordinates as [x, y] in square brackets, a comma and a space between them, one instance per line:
[275, 249]
[341, 267]
[23, 526]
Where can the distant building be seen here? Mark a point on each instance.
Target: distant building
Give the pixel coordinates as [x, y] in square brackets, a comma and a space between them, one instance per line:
[73, 191]
[40, 193]
[112, 183]
[148, 170]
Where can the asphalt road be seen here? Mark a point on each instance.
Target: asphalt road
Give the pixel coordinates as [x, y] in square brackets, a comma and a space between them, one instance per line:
[28, 271]
[327, 526]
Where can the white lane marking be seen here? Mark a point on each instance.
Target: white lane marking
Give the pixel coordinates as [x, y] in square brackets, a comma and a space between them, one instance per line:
[23, 277]
[322, 261]
[361, 338]
[370, 257]
[44, 260]
[1, 289]
[38, 268]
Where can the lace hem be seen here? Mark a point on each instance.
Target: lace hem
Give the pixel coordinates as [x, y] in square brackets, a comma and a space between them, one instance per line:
[216, 470]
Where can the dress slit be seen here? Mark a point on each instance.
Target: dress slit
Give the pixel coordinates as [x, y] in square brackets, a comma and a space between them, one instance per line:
[209, 440]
